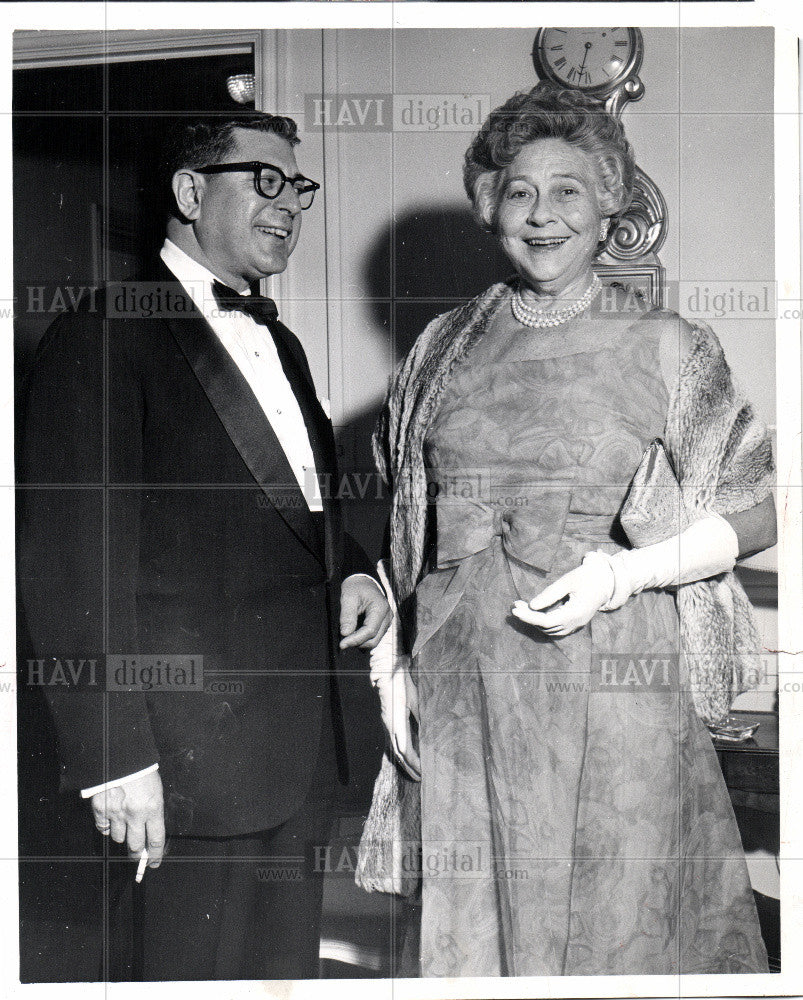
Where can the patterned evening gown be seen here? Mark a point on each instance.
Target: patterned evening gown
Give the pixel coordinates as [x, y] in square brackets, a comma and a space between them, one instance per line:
[574, 817]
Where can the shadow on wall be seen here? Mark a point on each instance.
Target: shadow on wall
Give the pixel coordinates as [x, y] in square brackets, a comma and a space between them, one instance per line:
[426, 262]
[422, 264]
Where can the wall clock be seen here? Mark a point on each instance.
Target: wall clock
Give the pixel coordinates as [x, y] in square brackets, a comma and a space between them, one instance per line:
[602, 62]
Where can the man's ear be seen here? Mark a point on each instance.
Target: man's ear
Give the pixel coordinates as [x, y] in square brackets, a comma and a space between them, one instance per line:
[188, 192]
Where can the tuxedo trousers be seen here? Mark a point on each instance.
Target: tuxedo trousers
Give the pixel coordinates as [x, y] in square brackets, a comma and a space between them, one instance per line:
[244, 907]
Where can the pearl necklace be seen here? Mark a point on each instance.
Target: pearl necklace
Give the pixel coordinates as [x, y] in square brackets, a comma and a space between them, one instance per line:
[543, 318]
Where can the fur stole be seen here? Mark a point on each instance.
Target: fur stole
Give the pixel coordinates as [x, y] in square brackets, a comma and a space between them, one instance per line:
[723, 458]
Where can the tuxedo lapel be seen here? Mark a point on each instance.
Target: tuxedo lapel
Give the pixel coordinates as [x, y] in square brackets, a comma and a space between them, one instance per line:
[295, 368]
[321, 436]
[244, 420]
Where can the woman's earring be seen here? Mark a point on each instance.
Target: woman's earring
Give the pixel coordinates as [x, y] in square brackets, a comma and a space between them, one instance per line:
[603, 229]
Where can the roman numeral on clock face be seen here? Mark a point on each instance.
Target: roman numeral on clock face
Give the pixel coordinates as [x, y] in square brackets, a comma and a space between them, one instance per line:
[560, 63]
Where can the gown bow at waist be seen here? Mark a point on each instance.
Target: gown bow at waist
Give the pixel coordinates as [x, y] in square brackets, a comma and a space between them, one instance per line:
[525, 526]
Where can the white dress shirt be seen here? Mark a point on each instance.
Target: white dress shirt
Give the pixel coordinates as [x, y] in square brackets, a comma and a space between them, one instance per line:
[252, 349]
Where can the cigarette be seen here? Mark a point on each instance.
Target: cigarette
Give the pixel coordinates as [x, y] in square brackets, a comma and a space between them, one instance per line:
[143, 864]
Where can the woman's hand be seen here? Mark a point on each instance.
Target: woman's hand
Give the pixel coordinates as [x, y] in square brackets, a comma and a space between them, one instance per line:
[398, 701]
[398, 695]
[572, 600]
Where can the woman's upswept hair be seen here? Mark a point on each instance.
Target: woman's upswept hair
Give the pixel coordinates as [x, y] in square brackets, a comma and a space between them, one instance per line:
[549, 112]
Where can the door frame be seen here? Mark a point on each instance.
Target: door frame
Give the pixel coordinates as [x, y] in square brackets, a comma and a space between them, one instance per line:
[54, 49]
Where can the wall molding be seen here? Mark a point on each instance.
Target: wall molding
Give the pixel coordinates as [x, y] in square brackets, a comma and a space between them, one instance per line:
[42, 49]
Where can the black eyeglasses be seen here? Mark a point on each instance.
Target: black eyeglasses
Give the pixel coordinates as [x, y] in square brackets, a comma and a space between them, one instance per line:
[269, 181]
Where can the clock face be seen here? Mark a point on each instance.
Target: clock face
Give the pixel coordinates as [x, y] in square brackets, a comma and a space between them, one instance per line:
[594, 59]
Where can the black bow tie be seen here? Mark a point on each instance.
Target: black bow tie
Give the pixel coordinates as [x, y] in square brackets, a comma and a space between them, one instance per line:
[260, 308]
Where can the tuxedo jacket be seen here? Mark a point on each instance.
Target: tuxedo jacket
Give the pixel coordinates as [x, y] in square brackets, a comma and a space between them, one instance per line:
[160, 519]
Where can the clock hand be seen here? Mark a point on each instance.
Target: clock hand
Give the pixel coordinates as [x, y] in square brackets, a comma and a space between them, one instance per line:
[585, 56]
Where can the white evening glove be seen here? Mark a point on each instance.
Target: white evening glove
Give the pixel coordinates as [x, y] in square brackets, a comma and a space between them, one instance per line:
[706, 548]
[398, 695]
[604, 582]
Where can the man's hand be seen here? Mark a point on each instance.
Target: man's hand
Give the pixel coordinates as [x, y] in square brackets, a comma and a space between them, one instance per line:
[134, 813]
[361, 596]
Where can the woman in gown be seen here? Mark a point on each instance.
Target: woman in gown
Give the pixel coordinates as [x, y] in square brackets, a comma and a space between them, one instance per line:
[574, 819]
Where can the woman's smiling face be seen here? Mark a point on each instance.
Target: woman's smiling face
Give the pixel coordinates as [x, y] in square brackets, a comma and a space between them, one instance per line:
[548, 215]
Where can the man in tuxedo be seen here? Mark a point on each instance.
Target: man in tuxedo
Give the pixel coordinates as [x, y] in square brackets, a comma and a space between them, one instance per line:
[171, 531]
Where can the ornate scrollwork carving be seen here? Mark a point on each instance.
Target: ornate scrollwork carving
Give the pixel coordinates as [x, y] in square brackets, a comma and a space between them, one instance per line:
[642, 229]
[630, 90]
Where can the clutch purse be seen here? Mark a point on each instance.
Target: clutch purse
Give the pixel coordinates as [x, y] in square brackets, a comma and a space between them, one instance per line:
[389, 855]
[653, 508]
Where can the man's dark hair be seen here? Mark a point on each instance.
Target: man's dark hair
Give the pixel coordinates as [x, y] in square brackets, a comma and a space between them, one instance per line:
[204, 141]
